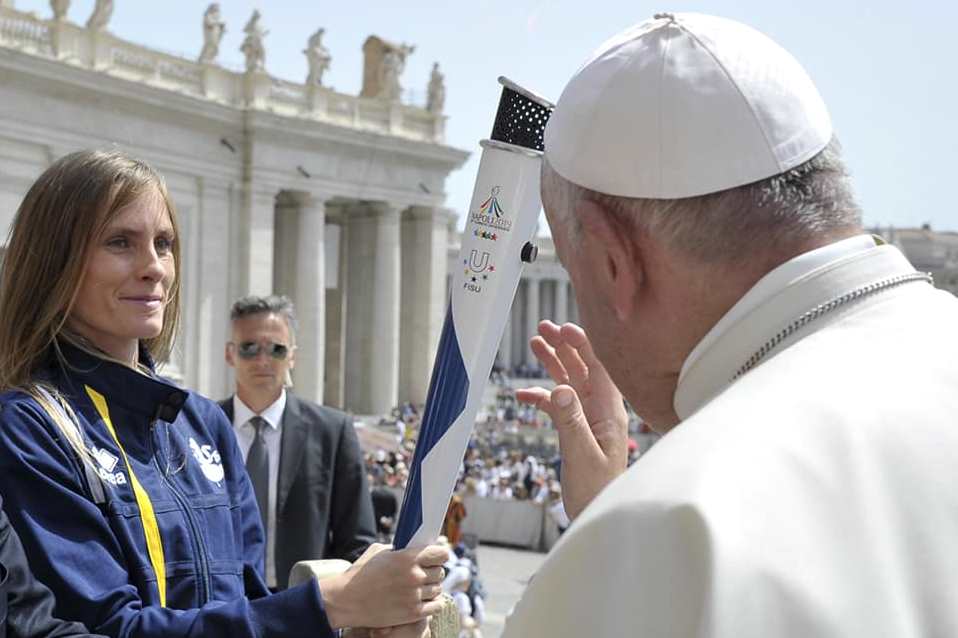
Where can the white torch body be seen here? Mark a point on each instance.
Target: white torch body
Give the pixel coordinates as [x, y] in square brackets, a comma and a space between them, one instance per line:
[501, 222]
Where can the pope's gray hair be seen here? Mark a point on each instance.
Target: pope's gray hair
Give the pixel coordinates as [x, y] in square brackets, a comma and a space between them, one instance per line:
[273, 304]
[810, 201]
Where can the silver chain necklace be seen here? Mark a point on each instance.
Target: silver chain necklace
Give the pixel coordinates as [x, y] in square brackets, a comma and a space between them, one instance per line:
[825, 308]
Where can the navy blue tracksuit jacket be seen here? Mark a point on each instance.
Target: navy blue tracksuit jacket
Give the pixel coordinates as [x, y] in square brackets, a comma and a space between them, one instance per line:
[85, 529]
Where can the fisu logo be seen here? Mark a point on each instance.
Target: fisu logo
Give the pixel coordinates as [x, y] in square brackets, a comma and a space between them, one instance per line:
[477, 262]
[477, 269]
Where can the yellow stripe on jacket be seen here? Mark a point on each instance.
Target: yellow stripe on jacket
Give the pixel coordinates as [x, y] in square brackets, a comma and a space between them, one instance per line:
[154, 544]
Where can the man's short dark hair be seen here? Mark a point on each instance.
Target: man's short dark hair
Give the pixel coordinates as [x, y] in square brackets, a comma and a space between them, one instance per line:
[272, 304]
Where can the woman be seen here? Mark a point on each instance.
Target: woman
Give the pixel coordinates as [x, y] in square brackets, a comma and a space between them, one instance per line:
[128, 492]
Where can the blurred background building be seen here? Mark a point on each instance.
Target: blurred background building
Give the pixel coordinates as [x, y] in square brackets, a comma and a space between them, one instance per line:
[929, 251]
[337, 200]
[334, 199]
[292, 188]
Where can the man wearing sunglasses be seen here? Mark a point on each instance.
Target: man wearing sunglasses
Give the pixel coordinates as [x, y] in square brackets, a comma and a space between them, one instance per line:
[303, 459]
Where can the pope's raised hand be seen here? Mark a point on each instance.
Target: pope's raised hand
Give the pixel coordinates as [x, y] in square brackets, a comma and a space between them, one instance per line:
[586, 409]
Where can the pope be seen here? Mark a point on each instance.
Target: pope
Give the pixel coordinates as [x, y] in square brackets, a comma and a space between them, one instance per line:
[802, 372]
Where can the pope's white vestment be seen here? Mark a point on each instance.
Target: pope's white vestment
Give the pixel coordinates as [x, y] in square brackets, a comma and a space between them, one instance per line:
[811, 489]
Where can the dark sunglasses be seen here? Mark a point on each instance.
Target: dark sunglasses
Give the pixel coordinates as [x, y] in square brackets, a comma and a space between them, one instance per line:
[251, 350]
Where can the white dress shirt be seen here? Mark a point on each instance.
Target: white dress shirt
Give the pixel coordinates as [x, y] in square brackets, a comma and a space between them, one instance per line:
[245, 433]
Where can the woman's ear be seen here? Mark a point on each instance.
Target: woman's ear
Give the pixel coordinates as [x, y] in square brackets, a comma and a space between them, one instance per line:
[611, 255]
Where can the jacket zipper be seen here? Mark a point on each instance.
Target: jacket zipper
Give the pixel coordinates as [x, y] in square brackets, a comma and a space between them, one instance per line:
[199, 551]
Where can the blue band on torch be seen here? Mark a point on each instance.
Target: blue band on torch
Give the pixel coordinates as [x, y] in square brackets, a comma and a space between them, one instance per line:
[448, 390]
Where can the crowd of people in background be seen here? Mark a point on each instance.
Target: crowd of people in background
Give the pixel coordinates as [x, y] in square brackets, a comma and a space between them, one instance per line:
[464, 585]
[512, 455]
[518, 371]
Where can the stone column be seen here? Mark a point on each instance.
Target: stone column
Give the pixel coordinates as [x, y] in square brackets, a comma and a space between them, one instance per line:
[372, 337]
[310, 298]
[298, 271]
[211, 316]
[517, 318]
[254, 271]
[533, 316]
[517, 330]
[425, 247]
[285, 239]
[505, 345]
[562, 301]
[336, 305]
[547, 299]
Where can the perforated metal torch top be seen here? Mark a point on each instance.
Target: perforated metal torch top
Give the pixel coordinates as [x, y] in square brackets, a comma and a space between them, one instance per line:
[521, 118]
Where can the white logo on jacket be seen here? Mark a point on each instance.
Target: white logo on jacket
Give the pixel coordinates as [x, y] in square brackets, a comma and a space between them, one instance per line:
[209, 459]
[107, 462]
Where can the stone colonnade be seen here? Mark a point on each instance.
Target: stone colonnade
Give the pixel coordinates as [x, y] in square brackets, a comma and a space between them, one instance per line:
[331, 198]
[538, 297]
[368, 282]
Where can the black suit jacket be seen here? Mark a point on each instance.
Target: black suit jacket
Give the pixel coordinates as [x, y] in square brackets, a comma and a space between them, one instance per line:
[323, 507]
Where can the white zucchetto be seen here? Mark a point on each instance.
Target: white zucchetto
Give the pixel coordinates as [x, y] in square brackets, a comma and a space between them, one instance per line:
[683, 105]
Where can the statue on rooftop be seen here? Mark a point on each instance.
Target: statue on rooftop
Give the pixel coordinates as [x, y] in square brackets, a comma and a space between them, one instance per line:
[60, 8]
[252, 46]
[213, 30]
[436, 93]
[318, 57]
[101, 15]
[394, 62]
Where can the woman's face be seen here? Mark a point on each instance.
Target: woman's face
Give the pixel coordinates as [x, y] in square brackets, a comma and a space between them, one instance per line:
[124, 289]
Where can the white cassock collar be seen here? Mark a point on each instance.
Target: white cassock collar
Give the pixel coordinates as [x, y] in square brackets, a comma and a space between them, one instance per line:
[778, 299]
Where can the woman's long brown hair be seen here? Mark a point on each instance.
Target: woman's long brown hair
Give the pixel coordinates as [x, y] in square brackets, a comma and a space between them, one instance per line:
[60, 219]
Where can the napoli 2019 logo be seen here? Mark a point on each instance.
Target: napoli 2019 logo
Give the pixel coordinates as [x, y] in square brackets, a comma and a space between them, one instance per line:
[491, 206]
[492, 214]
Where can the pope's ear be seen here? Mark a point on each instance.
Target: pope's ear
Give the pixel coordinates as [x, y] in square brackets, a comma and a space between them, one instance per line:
[613, 256]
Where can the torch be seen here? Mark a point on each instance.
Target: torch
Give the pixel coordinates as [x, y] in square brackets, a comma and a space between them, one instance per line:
[495, 244]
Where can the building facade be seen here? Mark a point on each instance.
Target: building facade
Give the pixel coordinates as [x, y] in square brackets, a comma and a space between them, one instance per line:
[336, 200]
[280, 187]
[934, 252]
